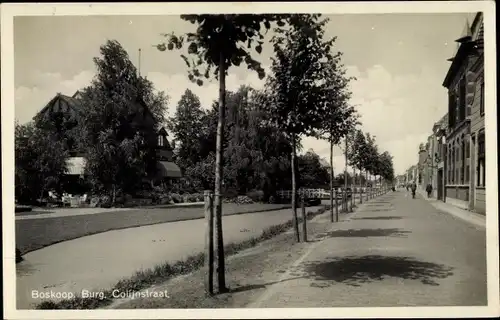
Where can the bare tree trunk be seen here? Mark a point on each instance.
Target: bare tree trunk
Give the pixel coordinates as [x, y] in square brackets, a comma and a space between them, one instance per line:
[361, 186]
[294, 188]
[219, 243]
[113, 199]
[209, 243]
[304, 217]
[366, 184]
[332, 176]
[346, 206]
[353, 197]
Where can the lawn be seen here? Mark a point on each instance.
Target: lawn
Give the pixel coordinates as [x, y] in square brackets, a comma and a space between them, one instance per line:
[34, 234]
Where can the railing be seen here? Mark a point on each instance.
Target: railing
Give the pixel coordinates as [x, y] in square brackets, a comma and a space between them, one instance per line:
[320, 193]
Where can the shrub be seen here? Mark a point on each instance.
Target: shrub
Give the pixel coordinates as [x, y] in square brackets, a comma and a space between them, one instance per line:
[166, 199]
[243, 200]
[192, 197]
[176, 198]
[230, 193]
[272, 200]
[256, 195]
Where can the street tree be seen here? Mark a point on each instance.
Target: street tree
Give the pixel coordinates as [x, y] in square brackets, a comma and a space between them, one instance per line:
[386, 167]
[370, 162]
[296, 86]
[340, 117]
[219, 43]
[359, 154]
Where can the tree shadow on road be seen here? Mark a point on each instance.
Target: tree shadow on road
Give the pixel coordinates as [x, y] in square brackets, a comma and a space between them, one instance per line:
[380, 218]
[377, 204]
[356, 270]
[365, 233]
[377, 210]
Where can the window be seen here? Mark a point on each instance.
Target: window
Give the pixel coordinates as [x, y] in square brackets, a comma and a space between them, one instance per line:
[462, 178]
[467, 149]
[462, 103]
[160, 141]
[481, 160]
[467, 174]
[451, 109]
[481, 103]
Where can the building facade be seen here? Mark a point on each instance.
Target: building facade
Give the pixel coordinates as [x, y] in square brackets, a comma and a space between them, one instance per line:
[440, 130]
[477, 183]
[464, 160]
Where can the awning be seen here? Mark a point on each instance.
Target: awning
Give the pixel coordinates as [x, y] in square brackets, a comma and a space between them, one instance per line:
[169, 170]
[76, 165]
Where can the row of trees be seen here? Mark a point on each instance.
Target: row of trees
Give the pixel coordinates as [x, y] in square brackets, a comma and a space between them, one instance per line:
[306, 93]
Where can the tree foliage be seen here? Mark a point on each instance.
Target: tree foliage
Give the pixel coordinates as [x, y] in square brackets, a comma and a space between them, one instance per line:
[40, 162]
[312, 174]
[120, 122]
[296, 85]
[359, 153]
[230, 36]
[386, 166]
[188, 128]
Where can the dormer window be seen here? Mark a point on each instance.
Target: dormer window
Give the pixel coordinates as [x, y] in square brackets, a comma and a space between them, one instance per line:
[161, 140]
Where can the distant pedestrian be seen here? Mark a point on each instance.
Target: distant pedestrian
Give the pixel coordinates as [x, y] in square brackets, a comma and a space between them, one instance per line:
[429, 190]
[413, 189]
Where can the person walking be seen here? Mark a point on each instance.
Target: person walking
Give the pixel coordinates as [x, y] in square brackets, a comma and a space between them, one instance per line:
[413, 189]
[429, 190]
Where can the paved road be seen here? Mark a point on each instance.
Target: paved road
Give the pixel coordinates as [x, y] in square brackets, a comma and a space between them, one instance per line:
[395, 251]
[101, 260]
[33, 233]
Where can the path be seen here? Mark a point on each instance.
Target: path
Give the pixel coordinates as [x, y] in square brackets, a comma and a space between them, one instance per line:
[395, 251]
[100, 260]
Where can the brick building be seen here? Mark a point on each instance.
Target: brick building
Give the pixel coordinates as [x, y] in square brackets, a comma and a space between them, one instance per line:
[439, 130]
[477, 200]
[464, 84]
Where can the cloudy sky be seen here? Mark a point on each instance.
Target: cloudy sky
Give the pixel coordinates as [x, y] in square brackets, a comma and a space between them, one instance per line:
[399, 61]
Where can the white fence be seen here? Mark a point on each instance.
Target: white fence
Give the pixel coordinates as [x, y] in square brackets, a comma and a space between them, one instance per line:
[319, 193]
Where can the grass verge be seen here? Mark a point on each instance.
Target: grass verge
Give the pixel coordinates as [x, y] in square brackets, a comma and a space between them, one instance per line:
[35, 234]
[159, 274]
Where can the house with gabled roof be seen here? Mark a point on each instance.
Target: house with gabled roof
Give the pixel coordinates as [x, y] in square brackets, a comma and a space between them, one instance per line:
[64, 114]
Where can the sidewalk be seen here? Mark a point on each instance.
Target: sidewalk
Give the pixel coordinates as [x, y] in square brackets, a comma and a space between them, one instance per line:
[469, 216]
[392, 251]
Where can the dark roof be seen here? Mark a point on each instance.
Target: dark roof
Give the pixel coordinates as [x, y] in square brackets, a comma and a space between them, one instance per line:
[61, 104]
[467, 45]
[71, 106]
